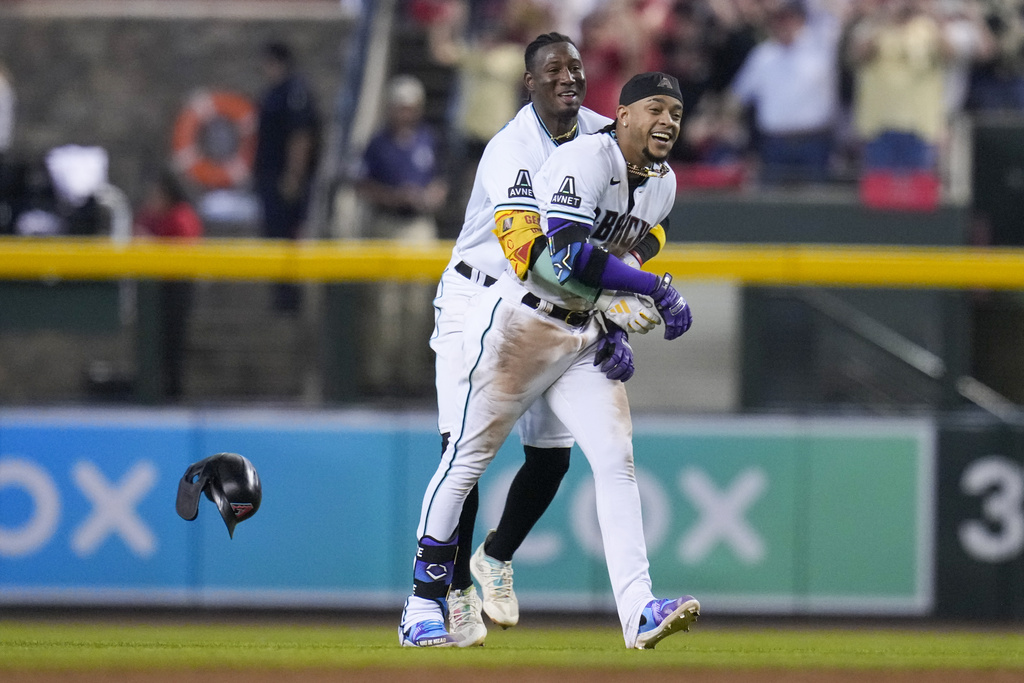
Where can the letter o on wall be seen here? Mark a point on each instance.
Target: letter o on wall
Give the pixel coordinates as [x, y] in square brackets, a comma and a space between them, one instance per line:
[37, 531]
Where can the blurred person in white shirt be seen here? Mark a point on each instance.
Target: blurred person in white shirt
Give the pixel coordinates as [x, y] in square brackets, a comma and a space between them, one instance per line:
[7, 101]
[792, 82]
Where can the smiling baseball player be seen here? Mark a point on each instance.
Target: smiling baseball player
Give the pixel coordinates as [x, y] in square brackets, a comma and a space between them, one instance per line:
[535, 334]
[502, 218]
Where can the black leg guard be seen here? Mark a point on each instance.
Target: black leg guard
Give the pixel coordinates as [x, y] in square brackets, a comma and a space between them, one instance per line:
[432, 574]
[531, 492]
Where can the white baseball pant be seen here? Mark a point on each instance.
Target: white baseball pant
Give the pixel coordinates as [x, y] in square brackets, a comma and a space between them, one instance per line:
[538, 427]
[515, 356]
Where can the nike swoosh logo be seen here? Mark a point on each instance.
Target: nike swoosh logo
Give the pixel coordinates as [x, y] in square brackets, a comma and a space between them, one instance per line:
[615, 181]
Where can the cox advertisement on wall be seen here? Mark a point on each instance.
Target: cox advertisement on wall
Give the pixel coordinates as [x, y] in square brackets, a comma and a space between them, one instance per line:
[751, 515]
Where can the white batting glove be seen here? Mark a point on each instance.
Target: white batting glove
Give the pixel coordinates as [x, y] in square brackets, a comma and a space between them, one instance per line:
[632, 312]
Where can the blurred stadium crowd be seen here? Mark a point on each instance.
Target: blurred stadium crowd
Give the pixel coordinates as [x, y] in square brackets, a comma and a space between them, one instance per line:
[776, 90]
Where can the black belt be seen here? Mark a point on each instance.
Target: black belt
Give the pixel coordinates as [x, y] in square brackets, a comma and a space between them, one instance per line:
[467, 271]
[574, 318]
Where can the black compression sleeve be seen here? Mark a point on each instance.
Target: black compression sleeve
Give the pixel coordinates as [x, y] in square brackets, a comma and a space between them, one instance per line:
[648, 248]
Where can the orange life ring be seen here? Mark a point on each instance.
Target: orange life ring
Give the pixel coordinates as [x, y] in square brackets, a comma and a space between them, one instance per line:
[214, 139]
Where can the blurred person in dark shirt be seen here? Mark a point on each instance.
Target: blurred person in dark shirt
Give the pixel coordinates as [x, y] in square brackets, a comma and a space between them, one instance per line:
[287, 149]
[997, 81]
[401, 183]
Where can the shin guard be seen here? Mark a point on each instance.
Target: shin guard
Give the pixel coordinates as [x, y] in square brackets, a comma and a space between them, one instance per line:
[435, 562]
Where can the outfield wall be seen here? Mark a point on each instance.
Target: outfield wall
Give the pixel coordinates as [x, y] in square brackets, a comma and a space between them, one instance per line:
[789, 515]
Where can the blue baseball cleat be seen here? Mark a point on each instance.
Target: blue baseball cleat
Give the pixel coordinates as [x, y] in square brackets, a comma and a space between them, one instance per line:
[662, 618]
[426, 634]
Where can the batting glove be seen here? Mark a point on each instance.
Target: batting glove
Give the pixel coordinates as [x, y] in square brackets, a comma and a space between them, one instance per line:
[615, 356]
[673, 308]
[632, 312]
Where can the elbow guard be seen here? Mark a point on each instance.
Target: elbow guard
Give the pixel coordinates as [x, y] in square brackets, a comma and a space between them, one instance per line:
[565, 246]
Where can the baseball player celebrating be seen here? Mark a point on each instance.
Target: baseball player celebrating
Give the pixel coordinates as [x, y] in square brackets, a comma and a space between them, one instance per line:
[503, 202]
[534, 334]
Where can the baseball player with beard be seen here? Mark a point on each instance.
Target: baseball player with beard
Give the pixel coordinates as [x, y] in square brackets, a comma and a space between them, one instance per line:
[534, 334]
[503, 203]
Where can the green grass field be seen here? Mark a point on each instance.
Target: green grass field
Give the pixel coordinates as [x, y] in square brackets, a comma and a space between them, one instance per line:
[88, 646]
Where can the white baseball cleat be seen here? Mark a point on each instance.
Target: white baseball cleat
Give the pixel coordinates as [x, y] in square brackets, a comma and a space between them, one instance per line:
[464, 620]
[495, 579]
[662, 618]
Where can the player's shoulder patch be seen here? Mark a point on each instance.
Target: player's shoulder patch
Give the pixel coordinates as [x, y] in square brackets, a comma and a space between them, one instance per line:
[566, 195]
[523, 186]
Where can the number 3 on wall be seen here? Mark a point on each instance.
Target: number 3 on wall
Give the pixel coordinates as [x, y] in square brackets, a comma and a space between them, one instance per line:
[1000, 536]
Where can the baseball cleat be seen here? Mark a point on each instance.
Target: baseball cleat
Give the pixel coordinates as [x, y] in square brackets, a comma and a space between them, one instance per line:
[495, 579]
[662, 618]
[464, 618]
[429, 633]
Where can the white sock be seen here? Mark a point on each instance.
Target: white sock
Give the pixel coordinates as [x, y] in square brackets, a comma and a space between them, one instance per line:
[420, 609]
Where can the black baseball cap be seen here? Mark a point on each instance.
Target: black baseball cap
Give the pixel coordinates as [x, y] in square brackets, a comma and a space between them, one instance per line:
[650, 84]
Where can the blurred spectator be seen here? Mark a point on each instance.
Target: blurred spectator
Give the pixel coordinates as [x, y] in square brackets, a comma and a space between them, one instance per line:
[688, 58]
[517, 17]
[566, 16]
[10, 190]
[791, 80]
[998, 83]
[287, 146]
[36, 213]
[620, 39]
[7, 102]
[704, 44]
[969, 42]
[899, 54]
[400, 182]
[734, 28]
[712, 137]
[167, 214]
[490, 75]
[58, 195]
[490, 72]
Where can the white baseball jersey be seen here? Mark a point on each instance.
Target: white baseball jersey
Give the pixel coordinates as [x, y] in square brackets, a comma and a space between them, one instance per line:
[585, 181]
[503, 181]
[515, 356]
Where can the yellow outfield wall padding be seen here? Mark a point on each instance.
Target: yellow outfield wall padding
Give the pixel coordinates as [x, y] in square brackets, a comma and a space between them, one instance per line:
[365, 260]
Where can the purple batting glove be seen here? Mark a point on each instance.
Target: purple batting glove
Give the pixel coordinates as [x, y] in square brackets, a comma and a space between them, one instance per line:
[673, 308]
[615, 355]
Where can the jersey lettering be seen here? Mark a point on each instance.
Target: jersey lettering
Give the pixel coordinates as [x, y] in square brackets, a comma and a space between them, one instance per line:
[566, 194]
[613, 229]
[603, 226]
[523, 186]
